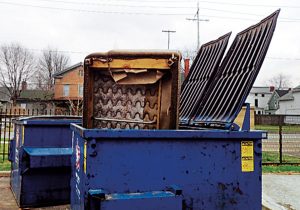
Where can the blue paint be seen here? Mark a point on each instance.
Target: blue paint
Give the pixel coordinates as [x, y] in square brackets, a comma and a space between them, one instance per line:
[41, 166]
[217, 135]
[205, 164]
[154, 200]
[47, 151]
[126, 196]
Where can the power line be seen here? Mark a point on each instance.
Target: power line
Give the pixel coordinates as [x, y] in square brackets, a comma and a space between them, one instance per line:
[118, 5]
[86, 53]
[251, 5]
[287, 20]
[165, 7]
[282, 58]
[95, 11]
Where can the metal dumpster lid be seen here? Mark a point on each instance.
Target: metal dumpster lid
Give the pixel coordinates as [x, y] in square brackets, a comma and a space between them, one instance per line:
[236, 75]
[201, 74]
[45, 119]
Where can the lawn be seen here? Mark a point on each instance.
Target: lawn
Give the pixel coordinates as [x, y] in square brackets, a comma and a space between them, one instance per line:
[273, 157]
[275, 128]
[4, 164]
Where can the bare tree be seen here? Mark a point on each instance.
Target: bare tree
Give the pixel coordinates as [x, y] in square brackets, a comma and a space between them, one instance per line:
[50, 62]
[280, 81]
[75, 106]
[15, 67]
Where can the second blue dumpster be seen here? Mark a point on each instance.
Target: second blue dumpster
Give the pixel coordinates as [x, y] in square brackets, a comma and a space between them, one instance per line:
[40, 156]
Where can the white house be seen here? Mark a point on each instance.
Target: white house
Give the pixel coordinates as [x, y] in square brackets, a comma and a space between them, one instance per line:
[290, 102]
[259, 98]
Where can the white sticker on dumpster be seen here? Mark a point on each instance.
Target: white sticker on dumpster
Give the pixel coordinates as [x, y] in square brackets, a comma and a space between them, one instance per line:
[247, 156]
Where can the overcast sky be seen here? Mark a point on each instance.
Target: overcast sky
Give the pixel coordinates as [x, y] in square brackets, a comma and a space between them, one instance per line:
[80, 27]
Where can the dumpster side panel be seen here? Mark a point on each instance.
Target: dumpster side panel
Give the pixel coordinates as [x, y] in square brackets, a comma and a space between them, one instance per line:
[209, 172]
[78, 191]
[45, 187]
[15, 181]
[47, 136]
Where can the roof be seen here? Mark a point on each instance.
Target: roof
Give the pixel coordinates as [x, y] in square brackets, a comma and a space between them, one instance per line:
[68, 69]
[297, 87]
[281, 92]
[265, 90]
[4, 95]
[36, 95]
[287, 97]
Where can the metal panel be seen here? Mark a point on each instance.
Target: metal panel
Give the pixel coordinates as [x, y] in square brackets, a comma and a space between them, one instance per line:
[119, 106]
[236, 75]
[131, 89]
[201, 74]
[156, 200]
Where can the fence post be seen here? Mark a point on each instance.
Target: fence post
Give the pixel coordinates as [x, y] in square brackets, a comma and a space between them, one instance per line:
[280, 144]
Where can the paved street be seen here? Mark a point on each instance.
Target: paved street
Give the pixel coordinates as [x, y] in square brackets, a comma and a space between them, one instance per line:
[283, 190]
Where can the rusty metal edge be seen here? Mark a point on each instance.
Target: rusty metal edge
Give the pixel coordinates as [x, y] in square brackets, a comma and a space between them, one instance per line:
[136, 54]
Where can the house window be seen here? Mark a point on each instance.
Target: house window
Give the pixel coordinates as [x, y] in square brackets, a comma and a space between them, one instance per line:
[255, 94]
[262, 95]
[66, 90]
[256, 102]
[80, 90]
[80, 72]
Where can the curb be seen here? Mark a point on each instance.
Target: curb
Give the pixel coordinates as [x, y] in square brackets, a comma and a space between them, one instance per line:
[4, 173]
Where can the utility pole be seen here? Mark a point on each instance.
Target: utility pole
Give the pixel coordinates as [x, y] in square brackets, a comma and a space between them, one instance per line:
[198, 20]
[168, 31]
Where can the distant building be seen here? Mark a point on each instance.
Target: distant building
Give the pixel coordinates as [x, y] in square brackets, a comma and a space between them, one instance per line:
[290, 102]
[273, 103]
[4, 98]
[68, 88]
[36, 99]
[259, 97]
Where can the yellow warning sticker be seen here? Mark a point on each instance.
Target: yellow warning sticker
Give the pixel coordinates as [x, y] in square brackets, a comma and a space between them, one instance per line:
[23, 133]
[247, 156]
[84, 158]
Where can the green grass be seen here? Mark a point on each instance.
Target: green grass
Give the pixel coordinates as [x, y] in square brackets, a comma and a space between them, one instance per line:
[4, 164]
[273, 157]
[281, 169]
[275, 128]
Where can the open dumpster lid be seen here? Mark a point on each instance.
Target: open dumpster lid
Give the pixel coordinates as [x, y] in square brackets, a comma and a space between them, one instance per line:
[236, 75]
[200, 76]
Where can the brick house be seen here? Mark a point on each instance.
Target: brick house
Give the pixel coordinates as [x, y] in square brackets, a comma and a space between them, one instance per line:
[68, 89]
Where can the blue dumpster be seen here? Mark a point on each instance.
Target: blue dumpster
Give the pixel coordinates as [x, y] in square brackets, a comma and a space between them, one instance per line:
[166, 169]
[40, 155]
